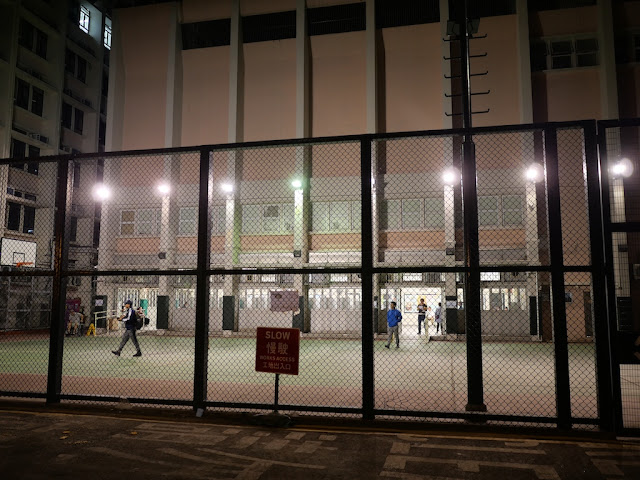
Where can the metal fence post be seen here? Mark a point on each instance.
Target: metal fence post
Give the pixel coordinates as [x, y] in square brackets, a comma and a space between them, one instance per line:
[606, 330]
[367, 281]
[603, 367]
[59, 290]
[202, 284]
[563, 390]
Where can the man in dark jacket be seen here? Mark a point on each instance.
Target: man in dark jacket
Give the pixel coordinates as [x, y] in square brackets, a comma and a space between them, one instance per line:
[129, 318]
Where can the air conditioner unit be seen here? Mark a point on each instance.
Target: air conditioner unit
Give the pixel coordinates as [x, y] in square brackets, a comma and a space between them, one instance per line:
[65, 149]
[35, 136]
[285, 279]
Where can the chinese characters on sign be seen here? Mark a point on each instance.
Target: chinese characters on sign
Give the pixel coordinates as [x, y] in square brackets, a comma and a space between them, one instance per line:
[277, 350]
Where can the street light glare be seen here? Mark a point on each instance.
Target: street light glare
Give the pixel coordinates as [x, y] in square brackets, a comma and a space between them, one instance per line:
[164, 188]
[450, 176]
[101, 192]
[534, 172]
[622, 168]
[227, 187]
[296, 184]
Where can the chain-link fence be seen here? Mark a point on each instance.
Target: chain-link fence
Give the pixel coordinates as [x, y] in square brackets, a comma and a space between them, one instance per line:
[620, 153]
[337, 238]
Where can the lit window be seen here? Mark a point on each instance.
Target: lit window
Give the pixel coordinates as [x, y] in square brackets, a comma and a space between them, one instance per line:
[85, 17]
[411, 277]
[489, 276]
[107, 34]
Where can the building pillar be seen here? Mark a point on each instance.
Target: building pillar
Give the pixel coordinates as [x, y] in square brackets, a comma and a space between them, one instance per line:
[234, 167]
[524, 62]
[171, 164]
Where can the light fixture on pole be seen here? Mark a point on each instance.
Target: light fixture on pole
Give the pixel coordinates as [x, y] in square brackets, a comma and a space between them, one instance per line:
[534, 173]
[451, 176]
[164, 188]
[101, 192]
[623, 168]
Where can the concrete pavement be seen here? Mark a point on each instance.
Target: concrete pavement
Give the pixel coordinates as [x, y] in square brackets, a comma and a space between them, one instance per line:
[38, 442]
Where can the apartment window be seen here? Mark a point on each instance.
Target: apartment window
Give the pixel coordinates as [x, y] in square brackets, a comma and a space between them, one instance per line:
[505, 211]
[85, 18]
[20, 149]
[73, 229]
[503, 299]
[75, 65]
[127, 222]
[557, 53]
[32, 38]
[488, 212]
[148, 222]
[489, 276]
[72, 118]
[76, 175]
[67, 115]
[185, 298]
[411, 213]
[188, 221]
[78, 120]
[339, 277]
[411, 277]
[335, 298]
[434, 212]
[20, 218]
[29, 97]
[561, 51]
[335, 217]
[586, 52]
[144, 222]
[272, 218]
[512, 210]
[218, 218]
[107, 34]
[390, 215]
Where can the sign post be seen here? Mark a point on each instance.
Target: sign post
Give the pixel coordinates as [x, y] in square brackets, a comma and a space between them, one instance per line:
[277, 351]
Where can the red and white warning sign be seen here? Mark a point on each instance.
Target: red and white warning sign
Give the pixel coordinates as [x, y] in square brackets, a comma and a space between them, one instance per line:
[278, 350]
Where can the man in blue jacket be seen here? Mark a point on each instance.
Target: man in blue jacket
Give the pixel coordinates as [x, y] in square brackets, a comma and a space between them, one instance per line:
[129, 318]
[394, 317]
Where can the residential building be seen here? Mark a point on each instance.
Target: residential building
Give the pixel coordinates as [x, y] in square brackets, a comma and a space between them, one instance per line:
[54, 68]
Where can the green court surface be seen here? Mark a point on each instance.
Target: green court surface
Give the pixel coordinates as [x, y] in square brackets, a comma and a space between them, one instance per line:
[518, 378]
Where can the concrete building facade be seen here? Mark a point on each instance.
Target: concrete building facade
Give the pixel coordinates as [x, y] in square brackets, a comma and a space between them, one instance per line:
[201, 72]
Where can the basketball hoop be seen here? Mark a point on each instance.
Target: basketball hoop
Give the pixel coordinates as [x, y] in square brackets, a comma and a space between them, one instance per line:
[23, 264]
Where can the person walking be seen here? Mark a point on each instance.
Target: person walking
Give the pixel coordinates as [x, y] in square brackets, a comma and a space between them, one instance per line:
[422, 311]
[438, 317]
[129, 318]
[394, 317]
